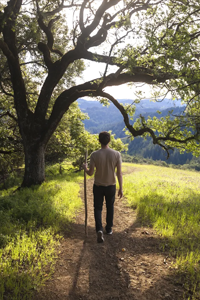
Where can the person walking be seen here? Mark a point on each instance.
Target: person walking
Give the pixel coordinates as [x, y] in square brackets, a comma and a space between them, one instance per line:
[105, 160]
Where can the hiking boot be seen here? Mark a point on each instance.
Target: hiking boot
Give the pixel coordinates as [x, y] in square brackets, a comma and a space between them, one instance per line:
[100, 238]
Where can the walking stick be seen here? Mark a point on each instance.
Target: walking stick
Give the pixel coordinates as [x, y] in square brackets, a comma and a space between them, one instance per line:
[85, 195]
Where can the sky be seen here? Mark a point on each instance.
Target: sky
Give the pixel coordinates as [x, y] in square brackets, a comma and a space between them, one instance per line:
[124, 91]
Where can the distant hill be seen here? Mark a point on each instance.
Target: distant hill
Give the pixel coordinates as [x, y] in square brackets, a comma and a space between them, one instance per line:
[109, 118]
[144, 104]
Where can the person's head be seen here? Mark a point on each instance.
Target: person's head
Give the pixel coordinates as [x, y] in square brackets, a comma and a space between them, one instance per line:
[104, 138]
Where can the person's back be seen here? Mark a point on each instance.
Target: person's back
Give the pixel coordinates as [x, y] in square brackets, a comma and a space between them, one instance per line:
[105, 161]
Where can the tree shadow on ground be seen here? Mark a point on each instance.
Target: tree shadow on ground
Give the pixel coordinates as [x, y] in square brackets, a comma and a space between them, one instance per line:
[105, 271]
[143, 271]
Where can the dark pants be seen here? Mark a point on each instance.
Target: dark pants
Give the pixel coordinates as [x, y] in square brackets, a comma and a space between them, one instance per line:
[99, 193]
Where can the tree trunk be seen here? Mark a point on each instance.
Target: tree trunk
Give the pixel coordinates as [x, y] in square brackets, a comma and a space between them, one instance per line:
[34, 165]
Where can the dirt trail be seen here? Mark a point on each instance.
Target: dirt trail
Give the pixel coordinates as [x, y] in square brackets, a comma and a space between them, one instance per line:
[129, 265]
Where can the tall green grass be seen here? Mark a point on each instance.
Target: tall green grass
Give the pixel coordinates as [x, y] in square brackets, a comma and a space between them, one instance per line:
[169, 200]
[32, 222]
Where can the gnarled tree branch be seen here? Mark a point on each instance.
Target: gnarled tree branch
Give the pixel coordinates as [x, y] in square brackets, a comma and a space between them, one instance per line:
[156, 139]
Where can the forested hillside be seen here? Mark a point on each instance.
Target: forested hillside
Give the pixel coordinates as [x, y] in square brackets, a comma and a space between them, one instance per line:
[109, 118]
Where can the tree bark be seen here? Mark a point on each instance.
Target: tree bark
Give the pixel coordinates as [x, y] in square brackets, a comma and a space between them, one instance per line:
[34, 165]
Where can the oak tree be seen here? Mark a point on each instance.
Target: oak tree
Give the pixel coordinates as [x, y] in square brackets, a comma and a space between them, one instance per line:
[45, 43]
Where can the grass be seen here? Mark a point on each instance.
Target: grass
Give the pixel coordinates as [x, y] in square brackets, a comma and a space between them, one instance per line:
[32, 222]
[169, 200]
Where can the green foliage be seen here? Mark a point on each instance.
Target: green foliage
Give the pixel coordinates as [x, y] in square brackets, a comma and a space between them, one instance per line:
[169, 200]
[136, 159]
[104, 101]
[180, 127]
[117, 144]
[168, 44]
[69, 139]
[112, 120]
[34, 72]
[32, 222]
[160, 47]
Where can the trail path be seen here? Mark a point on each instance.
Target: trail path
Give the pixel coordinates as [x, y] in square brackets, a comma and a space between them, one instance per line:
[87, 270]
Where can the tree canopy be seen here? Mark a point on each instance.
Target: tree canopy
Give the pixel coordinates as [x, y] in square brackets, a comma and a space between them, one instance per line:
[45, 46]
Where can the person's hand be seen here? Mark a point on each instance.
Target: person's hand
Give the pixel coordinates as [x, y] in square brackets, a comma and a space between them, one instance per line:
[84, 166]
[120, 193]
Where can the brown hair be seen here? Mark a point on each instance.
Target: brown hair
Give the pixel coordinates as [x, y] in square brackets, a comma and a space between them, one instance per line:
[104, 137]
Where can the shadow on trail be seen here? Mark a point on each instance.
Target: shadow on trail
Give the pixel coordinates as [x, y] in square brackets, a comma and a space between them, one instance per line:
[90, 271]
[105, 271]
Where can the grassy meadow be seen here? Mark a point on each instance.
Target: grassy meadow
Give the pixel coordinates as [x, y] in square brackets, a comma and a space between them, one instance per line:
[169, 200]
[32, 222]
